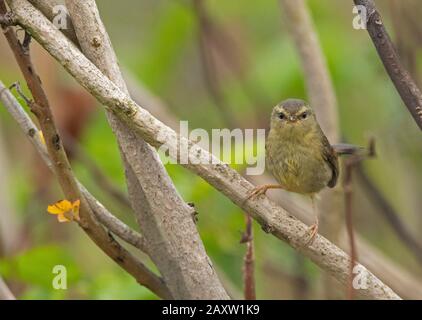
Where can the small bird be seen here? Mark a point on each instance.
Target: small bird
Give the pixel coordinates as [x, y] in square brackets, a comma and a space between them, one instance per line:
[298, 154]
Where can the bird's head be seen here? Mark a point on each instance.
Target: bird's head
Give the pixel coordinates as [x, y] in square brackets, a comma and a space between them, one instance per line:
[293, 114]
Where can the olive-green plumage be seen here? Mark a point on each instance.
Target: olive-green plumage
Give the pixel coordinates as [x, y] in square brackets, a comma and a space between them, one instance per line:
[298, 153]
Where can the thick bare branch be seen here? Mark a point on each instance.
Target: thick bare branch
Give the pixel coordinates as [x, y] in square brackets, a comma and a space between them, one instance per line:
[405, 85]
[273, 219]
[139, 93]
[51, 8]
[152, 193]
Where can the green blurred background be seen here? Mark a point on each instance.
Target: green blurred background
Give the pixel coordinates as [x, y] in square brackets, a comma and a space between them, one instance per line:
[159, 42]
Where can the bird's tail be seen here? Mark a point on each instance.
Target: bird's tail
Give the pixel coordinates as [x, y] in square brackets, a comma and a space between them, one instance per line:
[351, 149]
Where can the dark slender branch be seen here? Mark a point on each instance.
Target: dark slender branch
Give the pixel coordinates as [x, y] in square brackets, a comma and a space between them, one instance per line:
[349, 164]
[249, 261]
[17, 86]
[405, 85]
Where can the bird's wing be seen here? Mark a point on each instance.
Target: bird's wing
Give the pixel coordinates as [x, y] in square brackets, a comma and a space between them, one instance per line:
[330, 157]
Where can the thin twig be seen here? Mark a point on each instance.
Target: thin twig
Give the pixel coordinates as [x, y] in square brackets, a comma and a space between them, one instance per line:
[349, 167]
[249, 261]
[405, 85]
[348, 196]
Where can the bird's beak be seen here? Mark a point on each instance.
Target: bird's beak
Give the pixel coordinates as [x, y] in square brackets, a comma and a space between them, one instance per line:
[292, 119]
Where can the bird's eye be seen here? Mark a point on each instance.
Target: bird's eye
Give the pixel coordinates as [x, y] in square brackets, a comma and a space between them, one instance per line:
[304, 115]
[281, 116]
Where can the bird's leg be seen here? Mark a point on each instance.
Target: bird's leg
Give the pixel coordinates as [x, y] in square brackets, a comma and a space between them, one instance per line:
[313, 229]
[258, 190]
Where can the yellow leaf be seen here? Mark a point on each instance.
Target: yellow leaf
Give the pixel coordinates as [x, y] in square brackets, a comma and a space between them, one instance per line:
[65, 210]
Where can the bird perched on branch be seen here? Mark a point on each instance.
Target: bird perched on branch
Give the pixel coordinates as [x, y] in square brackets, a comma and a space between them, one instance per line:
[298, 154]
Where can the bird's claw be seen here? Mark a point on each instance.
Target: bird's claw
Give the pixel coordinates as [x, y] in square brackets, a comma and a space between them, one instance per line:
[312, 231]
[257, 191]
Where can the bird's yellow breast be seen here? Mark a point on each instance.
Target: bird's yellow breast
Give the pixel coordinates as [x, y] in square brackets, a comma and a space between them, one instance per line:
[297, 163]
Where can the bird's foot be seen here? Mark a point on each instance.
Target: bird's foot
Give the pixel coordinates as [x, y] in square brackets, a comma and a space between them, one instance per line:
[311, 233]
[257, 191]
